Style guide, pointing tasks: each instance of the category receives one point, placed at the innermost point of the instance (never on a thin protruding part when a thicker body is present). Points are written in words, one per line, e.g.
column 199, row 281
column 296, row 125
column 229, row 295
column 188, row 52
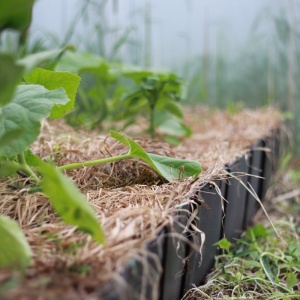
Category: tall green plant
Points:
column 160, row 93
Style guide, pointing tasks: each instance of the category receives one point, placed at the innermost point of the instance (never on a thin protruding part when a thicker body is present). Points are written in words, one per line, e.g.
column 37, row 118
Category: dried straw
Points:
column 131, row 201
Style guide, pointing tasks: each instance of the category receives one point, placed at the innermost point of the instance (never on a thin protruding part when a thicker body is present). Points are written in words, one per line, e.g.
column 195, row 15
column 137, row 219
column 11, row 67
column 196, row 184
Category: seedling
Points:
column 162, row 92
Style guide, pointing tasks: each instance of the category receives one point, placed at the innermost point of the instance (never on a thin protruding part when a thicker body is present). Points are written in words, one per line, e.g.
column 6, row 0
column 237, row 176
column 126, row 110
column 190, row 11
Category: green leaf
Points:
column 174, row 108
column 172, row 140
column 252, row 264
column 257, row 231
column 10, row 76
column 270, row 267
column 14, row 249
column 291, row 280
column 69, row 203
column 32, row 159
column 31, row 104
column 136, row 74
column 134, row 93
column 175, row 168
column 223, row 244
column 294, row 249
column 167, row 167
column 37, row 59
column 9, row 137
column 15, row 14
column 174, row 127
column 53, row 80
column 8, row 168
column 75, row 62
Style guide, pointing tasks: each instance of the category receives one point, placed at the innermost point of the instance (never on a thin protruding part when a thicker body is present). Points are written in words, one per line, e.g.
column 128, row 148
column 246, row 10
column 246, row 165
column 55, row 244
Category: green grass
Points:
column 260, row 265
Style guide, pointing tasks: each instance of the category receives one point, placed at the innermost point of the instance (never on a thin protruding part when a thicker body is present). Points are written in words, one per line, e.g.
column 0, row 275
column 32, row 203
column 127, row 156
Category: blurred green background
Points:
column 230, row 54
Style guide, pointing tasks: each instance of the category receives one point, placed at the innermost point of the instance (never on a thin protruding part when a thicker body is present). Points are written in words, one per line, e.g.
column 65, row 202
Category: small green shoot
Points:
column 168, row 167
column 224, row 244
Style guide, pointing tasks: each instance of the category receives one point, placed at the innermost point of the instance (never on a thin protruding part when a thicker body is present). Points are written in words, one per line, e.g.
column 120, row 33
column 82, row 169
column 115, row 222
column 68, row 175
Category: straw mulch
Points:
column 131, row 201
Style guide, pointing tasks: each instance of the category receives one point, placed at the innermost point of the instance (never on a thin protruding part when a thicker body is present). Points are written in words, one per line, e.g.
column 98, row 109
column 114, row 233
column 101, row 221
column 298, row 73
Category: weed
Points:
column 259, row 265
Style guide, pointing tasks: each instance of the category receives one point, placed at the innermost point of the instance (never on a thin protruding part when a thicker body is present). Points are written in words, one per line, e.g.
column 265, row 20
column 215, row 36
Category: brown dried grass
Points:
column 131, row 201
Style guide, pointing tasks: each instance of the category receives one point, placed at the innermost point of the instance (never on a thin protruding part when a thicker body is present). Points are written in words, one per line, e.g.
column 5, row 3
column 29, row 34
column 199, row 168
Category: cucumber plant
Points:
column 28, row 95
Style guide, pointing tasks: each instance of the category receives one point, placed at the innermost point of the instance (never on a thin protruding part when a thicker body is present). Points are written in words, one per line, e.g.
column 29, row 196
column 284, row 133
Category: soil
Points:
column 131, row 201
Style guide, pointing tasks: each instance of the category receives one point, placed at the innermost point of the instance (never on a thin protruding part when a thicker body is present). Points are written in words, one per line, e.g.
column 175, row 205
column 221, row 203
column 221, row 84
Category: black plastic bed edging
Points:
column 255, row 172
column 175, row 252
column 174, row 263
column 235, row 205
column 209, row 221
column 141, row 278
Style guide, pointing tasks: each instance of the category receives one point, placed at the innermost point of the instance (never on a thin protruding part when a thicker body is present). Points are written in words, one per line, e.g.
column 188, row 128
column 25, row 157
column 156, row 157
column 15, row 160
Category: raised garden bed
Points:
column 159, row 237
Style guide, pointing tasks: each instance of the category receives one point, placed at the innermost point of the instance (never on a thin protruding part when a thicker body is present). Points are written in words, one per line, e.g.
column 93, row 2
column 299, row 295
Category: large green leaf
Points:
column 69, row 203
column 75, row 62
column 53, row 80
column 15, row 14
column 37, row 59
column 14, row 249
column 31, row 104
column 10, row 76
column 175, row 168
column 168, row 167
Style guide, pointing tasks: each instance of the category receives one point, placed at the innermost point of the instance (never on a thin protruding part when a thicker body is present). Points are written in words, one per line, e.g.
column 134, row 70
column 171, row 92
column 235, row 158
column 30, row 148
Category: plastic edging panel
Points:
column 255, row 181
column 276, row 149
column 236, row 199
column 174, row 255
column 209, row 221
column 267, row 166
column 141, row 278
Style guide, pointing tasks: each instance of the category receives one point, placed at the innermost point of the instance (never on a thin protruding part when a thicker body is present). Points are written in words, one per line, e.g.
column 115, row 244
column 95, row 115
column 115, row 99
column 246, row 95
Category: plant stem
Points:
column 25, row 168
column 152, row 127
column 94, row 162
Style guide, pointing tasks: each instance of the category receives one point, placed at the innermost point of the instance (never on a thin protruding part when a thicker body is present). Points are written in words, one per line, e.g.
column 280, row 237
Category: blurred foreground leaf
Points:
column 10, row 76
column 75, row 62
column 31, row 104
column 34, row 60
column 69, row 203
column 15, row 14
column 14, row 249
